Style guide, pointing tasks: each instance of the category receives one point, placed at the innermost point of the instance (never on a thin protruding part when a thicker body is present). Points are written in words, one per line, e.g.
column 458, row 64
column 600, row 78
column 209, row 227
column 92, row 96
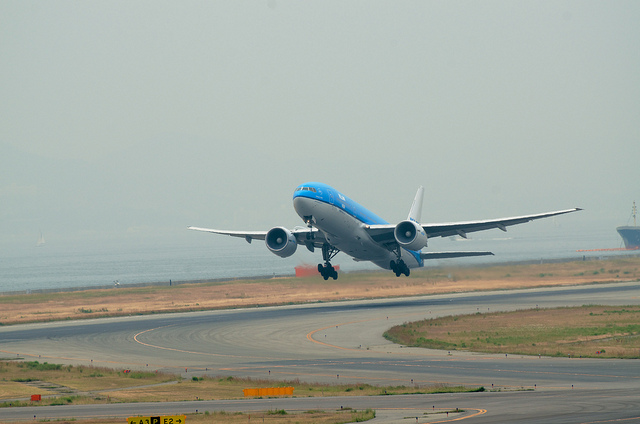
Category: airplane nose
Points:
column 302, row 206
column 305, row 208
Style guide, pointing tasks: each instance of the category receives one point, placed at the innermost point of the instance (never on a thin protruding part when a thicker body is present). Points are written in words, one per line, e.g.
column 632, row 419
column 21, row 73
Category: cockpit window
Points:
column 311, row 189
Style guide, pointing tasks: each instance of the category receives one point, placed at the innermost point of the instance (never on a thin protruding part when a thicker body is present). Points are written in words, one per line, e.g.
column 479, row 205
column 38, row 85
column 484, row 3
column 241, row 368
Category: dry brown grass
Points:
column 270, row 417
column 278, row 291
column 81, row 385
column 17, row 377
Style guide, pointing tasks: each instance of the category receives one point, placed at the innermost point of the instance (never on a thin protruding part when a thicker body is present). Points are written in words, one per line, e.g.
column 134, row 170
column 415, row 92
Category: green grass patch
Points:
column 35, row 365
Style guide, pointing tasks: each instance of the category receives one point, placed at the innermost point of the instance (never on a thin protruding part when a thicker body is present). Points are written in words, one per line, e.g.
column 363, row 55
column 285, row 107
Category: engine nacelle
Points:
column 410, row 235
column 281, row 241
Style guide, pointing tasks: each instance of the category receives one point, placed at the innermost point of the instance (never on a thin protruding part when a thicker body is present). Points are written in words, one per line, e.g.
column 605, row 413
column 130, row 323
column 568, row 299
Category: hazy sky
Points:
column 129, row 121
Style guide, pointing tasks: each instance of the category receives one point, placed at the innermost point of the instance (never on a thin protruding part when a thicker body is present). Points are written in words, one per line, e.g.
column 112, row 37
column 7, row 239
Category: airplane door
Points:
column 331, row 200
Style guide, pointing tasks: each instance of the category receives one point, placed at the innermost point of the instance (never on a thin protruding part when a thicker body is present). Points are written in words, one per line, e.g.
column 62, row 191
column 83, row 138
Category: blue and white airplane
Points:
column 336, row 224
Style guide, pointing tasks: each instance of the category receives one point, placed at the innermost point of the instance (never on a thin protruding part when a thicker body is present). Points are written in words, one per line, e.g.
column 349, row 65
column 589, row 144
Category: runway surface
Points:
column 342, row 342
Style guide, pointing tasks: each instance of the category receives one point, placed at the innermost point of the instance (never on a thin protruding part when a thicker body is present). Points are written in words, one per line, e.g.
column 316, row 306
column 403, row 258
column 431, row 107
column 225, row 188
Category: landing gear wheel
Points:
column 327, row 271
column 399, row 268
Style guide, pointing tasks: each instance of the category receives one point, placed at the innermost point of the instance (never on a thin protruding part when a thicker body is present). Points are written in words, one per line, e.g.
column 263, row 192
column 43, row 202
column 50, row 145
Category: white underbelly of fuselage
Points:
column 347, row 233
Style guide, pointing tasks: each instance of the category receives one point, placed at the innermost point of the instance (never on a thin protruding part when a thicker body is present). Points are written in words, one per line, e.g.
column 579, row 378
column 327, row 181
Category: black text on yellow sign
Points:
column 168, row 419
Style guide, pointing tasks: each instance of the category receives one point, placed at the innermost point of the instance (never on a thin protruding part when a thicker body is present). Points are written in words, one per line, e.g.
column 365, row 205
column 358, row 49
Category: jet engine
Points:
column 281, row 241
column 410, row 235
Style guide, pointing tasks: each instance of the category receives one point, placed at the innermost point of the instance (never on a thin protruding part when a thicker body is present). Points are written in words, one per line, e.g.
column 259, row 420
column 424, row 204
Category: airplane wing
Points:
column 443, row 255
column 462, row 228
column 248, row 235
column 304, row 235
column 384, row 233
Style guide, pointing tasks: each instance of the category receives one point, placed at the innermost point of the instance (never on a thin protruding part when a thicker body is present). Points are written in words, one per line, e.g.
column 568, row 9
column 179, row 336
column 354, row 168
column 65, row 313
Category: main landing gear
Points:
column 327, row 270
column 399, row 268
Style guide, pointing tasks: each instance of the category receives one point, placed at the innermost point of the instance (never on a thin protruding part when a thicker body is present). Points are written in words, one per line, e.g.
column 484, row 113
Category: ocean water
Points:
column 58, row 267
column 53, row 267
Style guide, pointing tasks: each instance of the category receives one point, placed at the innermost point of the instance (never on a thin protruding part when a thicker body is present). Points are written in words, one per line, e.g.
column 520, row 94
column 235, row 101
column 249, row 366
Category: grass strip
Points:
column 589, row 331
column 90, row 385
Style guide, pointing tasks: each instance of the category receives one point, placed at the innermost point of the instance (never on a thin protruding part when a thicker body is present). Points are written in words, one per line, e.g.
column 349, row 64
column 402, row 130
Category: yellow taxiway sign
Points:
column 167, row 419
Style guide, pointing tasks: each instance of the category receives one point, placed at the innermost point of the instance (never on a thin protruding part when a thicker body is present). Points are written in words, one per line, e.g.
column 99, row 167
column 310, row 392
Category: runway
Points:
column 342, row 342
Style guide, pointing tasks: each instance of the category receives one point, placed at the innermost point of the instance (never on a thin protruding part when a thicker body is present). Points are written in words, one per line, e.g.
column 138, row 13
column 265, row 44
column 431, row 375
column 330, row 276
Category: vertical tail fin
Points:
column 416, row 208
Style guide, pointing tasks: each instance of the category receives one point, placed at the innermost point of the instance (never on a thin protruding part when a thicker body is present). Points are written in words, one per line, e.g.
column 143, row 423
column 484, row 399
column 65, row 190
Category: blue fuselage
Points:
column 343, row 222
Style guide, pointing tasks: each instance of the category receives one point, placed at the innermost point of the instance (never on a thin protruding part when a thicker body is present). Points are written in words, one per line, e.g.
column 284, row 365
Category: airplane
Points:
column 335, row 223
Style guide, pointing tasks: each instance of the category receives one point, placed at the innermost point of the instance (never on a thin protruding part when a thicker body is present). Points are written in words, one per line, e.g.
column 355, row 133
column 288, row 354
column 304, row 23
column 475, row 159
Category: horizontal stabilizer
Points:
column 443, row 255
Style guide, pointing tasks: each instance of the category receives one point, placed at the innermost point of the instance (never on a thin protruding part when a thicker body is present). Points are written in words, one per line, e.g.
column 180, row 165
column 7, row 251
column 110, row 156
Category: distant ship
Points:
column 631, row 235
column 40, row 241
